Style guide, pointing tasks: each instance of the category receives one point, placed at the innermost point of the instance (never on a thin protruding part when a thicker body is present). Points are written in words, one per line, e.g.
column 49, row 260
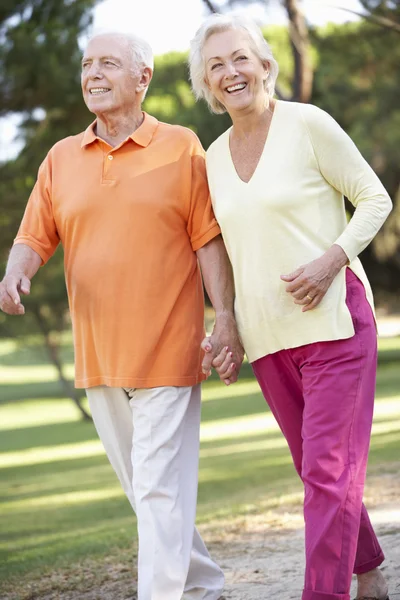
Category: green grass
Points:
column 60, row 501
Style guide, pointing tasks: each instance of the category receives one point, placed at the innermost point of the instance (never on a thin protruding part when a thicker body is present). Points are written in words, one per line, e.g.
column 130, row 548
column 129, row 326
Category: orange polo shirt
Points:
column 130, row 219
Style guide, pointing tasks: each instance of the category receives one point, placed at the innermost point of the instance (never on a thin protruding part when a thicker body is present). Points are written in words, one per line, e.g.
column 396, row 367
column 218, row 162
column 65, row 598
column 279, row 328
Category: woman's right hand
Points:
column 224, row 365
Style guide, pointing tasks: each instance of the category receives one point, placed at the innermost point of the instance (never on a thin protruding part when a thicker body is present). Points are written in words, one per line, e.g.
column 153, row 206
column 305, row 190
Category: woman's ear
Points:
column 266, row 66
column 206, row 82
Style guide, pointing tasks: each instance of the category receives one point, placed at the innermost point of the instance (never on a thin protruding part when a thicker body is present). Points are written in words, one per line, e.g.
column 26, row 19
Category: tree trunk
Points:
column 210, row 6
column 52, row 350
column 303, row 72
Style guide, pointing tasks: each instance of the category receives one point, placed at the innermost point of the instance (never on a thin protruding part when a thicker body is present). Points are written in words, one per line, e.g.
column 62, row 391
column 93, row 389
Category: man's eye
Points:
column 109, row 62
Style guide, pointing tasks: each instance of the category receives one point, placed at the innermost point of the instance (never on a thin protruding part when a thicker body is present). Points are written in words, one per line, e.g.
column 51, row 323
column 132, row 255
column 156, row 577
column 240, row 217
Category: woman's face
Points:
column 234, row 73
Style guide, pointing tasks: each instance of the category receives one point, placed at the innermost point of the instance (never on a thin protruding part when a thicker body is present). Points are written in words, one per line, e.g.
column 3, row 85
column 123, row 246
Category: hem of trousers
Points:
column 207, row 596
column 314, row 595
column 371, row 564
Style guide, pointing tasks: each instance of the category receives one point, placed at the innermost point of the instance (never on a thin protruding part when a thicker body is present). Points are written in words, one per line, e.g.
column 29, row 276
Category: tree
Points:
column 39, row 69
column 355, row 82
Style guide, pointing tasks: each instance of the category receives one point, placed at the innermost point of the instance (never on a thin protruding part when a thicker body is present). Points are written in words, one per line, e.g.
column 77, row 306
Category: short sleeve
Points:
column 343, row 167
column 202, row 225
column 38, row 229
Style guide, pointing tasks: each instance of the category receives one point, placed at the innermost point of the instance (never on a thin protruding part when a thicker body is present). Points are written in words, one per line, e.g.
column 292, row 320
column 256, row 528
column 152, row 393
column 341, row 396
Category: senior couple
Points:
column 129, row 201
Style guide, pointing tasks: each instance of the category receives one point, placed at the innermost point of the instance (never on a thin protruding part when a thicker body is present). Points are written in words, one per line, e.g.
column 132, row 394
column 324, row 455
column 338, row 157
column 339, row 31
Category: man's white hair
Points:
column 218, row 23
column 140, row 51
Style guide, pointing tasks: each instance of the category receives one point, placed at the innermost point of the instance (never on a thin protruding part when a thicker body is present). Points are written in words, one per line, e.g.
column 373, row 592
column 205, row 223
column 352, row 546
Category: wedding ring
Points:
column 309, row 297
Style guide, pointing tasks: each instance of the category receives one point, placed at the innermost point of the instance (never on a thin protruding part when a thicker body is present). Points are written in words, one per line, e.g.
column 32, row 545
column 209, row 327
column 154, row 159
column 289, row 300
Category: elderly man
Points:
column 128, row 200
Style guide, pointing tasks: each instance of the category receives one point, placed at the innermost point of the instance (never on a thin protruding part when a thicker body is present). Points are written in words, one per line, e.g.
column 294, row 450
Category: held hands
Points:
column 10, row 289
column 309, row 283
column 223, row 350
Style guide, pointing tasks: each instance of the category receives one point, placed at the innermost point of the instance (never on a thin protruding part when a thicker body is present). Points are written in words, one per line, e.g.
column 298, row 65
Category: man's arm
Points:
column 22, row 265
column 218, row 280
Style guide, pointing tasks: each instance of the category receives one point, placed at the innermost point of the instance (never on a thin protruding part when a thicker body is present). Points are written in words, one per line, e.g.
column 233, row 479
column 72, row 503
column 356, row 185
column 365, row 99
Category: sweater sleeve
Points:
column 345, row 169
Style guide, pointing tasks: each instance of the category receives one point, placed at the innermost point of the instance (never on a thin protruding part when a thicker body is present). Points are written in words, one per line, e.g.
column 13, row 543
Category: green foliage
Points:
column 170, row 99
column 39, row 69
column 356, row 82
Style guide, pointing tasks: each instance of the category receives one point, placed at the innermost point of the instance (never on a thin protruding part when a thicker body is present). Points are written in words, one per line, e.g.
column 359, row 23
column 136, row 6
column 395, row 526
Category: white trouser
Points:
column 152, row 441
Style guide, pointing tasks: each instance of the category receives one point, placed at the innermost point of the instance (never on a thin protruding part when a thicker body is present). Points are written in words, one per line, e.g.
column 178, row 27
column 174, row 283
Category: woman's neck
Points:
column 245, row 123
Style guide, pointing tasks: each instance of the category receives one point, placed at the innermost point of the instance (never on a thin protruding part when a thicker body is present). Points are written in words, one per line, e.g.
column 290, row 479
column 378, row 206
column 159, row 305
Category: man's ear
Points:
column 145, row 79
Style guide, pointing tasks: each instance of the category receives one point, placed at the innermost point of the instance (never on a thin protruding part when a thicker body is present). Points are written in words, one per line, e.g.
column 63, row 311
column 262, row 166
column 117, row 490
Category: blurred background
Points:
column 59, row 500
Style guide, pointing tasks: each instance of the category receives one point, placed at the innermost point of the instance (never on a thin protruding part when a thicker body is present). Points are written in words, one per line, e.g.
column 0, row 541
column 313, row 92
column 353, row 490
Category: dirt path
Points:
column 261, row 555
column 260, row 564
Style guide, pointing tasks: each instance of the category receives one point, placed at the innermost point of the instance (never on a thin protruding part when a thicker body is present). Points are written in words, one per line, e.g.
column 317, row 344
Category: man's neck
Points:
column 115, row 129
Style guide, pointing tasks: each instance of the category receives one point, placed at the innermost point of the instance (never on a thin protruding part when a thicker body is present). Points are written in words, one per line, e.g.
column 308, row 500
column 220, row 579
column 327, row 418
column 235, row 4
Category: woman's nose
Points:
column 231, row 70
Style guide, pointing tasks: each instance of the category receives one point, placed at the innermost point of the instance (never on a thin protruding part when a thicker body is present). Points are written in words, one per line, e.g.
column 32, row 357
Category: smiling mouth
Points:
column 99, row 91
column 236, row 88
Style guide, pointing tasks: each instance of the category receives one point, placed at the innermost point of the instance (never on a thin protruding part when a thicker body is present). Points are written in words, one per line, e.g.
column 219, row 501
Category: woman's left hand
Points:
column 309, row 283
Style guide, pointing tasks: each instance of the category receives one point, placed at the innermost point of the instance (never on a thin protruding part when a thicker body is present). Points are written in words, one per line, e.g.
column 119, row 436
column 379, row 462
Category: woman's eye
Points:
column 215, row 65
column 241, row 57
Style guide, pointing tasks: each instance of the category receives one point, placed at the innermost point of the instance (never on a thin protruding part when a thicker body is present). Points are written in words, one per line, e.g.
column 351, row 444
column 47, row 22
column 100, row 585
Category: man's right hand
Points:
column 10, row 289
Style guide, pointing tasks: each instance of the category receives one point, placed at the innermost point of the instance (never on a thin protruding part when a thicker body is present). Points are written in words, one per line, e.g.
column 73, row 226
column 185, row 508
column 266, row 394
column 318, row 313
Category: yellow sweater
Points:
column 288, row 214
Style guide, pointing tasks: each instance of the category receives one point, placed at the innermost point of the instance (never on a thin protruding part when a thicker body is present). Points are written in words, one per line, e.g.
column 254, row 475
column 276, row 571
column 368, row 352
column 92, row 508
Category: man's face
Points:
column 110, row 81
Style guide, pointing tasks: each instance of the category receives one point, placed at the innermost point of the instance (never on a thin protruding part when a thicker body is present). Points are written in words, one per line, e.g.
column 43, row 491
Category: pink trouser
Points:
column 322, row 396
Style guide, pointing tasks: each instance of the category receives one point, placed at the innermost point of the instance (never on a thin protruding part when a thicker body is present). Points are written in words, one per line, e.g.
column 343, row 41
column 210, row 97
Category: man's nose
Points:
column 95, row 72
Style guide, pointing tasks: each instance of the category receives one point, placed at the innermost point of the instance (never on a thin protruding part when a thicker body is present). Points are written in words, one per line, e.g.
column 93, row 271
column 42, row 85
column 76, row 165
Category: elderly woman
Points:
column 304, row 306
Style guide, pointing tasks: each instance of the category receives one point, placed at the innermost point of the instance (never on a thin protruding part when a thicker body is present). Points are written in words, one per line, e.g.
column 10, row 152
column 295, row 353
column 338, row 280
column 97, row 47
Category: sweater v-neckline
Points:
column 266, row 143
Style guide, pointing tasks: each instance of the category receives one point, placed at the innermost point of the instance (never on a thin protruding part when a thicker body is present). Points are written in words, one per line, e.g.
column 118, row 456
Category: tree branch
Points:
column 210, row 6
column 381, row 21
column 52, row 350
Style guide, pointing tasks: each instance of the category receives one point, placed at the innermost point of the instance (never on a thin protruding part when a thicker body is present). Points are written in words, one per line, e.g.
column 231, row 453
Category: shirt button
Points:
column 110, row 157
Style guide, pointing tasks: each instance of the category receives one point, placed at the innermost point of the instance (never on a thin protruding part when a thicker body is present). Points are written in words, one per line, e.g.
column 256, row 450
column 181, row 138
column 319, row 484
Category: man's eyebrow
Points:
column 107, row 57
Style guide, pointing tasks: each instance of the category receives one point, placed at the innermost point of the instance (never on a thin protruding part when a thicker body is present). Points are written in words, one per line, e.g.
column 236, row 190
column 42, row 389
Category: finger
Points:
column 226, row 368
column 304, row 301
column 25, row 285
column 300, row 293
column 12, row 291
column 232, row 379
column 228, row 377
column 10, row 308
column 293, row 275
column 314, row 303
column 221, row 358
column 206, row 364
column 8, row 304
column 206, row 344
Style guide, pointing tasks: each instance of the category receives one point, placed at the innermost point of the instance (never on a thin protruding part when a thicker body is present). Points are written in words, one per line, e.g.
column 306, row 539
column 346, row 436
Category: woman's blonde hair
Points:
column 217, row 23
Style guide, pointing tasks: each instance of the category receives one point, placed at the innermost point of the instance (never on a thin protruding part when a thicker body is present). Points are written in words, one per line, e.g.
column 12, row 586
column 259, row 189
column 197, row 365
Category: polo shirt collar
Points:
column 141, row 136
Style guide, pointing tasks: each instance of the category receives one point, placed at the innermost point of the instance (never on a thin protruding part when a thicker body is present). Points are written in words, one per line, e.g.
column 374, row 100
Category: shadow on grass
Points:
column 31, row 355
column 52, row 434
column 43, row 390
